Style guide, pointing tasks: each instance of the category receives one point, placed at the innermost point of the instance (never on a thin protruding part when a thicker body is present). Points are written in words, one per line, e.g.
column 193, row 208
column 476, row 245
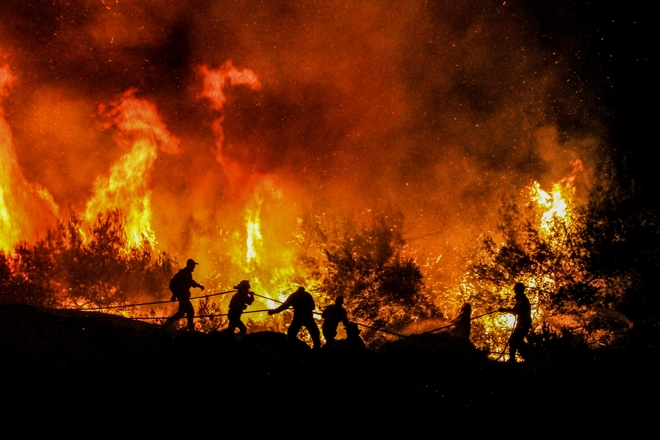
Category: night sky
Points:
column 613, row 51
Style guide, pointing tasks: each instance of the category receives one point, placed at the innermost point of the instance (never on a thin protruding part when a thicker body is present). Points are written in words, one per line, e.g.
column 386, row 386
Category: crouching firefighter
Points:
column 332, row 316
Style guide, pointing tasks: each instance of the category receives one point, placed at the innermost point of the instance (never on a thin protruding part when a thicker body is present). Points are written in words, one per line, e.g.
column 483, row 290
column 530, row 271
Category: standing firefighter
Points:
column 180, row 285
column 523, row 311
column 332, row 316
column 303, row 315
column 239, row 302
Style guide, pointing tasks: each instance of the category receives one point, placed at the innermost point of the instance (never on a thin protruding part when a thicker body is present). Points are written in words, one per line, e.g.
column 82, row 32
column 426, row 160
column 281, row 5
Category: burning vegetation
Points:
column 381, row 164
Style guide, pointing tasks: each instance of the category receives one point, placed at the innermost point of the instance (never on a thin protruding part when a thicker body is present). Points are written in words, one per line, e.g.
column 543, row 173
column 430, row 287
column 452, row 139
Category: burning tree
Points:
column 84, row 265
column 547, row 244
column 371, row 267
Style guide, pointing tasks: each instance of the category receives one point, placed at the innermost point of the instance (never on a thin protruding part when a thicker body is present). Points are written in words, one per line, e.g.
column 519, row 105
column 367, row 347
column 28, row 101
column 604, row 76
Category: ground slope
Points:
column 75, row 371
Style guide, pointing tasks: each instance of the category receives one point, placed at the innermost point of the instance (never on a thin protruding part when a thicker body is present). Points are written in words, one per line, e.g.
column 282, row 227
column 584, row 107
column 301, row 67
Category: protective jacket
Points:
column 302, row 302
column 239, row 302
column 181, row 283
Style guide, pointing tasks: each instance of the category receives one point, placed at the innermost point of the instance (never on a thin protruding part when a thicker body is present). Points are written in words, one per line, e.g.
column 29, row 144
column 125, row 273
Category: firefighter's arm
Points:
column 285, row 305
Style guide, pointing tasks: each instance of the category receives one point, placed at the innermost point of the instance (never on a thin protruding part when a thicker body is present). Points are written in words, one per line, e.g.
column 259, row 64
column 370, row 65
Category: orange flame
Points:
column 24, row 206
column 126, row 188
column 553, row 204
column 254, row 236
column 556, row 205
column 550, row 209
column 215, row 83
column 268, row 253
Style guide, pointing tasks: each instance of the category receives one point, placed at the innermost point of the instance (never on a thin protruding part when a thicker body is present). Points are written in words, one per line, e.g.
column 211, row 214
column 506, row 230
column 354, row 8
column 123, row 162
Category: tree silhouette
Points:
column 369, row 267
column 574, row 282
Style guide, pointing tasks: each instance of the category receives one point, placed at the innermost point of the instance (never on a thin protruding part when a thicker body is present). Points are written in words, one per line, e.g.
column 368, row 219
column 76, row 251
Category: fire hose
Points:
column 251, row 311
column 153, row 302
column 508, row 341
column 214, row 315
column 196, row 316
column 316, row 313
column 477, row 317
column 358, row 323
column 454, row 323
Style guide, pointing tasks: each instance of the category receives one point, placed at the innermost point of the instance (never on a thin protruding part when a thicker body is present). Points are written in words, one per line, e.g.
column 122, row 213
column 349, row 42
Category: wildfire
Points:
column 538, row 260
column 557, row 204
column 254, row 237
column 25, row 207
column 554, row 205
column 269, row 261
column 267, row 251
column 126, row 187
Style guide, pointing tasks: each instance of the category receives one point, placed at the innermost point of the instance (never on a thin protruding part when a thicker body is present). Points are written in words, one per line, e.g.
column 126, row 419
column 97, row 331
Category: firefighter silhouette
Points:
column 332, row 316
column 462, row 323
column 523, row 311
column 239, row 302
column 303, row 315
column 180, row 285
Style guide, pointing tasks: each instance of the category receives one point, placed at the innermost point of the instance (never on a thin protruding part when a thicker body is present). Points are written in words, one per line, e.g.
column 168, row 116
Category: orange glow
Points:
column 216, row 81
column 6, row 79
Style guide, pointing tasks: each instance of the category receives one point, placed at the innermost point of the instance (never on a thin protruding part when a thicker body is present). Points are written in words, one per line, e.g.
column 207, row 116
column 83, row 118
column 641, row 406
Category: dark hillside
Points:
column 77, row 371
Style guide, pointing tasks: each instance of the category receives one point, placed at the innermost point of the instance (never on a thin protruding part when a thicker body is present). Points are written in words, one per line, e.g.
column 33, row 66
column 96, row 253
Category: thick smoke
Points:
column 435, row 107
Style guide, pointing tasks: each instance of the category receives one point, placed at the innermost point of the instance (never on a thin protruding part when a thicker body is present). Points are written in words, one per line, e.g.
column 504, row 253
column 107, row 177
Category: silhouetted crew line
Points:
column 303, row 315
column 180, row 285
column 523, row 311
column 332, row 316
column 462, row 323
column 239, row 302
